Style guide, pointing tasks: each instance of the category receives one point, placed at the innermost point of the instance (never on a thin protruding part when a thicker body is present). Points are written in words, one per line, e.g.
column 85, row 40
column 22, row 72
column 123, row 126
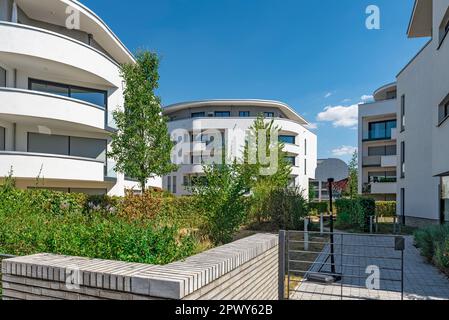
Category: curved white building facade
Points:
column 233, row 118
column 59, row 83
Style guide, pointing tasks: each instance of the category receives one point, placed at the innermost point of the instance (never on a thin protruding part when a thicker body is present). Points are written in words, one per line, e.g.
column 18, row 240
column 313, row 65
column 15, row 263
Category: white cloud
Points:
column 328, row 95
column 366, row 98
column 344, row 151
column 340, row 116
column 312, row 126
column 346, row 100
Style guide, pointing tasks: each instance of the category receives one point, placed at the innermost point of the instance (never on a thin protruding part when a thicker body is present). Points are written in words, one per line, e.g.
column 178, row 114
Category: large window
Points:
column 2, row 77
column 222, row 114
column 68, row 146
column 445, row 199
column 2, row 139
column 287, row 139
column 268, row 114
column 382, row 177
column 94, row 96
column 244, row 114
column 382, row 151
column 381, row 130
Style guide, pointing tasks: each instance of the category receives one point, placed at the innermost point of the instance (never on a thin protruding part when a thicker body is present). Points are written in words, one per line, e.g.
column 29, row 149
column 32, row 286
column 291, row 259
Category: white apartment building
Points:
column 421, row 110
column 233, row 118
column 423, row 113
column 59, row 83
column 377, row 145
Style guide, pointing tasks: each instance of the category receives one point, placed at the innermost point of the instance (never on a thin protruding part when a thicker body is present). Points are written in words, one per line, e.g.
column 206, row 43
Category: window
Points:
column 268, row 114
column 444, row 28
column 2, row 139
column 403, row 159
column 305, row 166
column 443, row 111
column 402, row 113
column 381, row 130
column 287, row 139
column 291, row 160
column 222, row 114
column 445, row 199
column 2, row 77
column 403, row 205
column 382, row 177
column 382, row 151
column 68, row 146
column 169, row 183
column 244, row 114
column 198, row 114
column 305, row 146
column 175, row 184
column 391, row 95
column 94, row 96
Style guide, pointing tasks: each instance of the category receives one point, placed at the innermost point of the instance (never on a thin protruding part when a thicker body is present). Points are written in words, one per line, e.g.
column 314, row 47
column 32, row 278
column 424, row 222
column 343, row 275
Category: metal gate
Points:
column 340, row 266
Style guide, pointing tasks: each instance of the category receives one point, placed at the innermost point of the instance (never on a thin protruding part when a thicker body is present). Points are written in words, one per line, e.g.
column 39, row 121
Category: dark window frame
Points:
column 198, row 115
column 3, row 143
column 402, row 159
column 403, row 113
column 222, row 114
column 5, row 77
column 269, row 114
column 282, row 136
column 70, row 87
column 387, row 135
column 291, row 160
column 244, row 114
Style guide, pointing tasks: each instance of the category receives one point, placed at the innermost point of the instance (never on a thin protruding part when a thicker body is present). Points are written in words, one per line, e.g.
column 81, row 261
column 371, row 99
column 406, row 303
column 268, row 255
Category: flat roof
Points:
column 288, row 111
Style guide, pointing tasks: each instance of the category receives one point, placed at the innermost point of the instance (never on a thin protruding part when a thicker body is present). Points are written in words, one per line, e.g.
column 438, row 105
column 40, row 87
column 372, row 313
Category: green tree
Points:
column 141, row 146
column 353, row 176
column 260, row 183
column 221, row 195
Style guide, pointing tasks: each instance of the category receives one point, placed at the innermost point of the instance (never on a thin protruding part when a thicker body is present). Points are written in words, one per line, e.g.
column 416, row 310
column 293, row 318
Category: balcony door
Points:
column 444, row 199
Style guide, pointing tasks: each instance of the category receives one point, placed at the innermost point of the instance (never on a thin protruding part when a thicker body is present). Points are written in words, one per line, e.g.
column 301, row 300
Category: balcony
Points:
column 18, row 103
column 32, row 165
column 47, row 49
column 389, row 161
column 372, row 161
column 383, row 187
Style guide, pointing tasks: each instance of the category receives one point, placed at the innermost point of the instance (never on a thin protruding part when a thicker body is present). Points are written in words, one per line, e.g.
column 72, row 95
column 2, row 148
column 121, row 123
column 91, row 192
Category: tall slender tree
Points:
column 353, row 176
column 141, row 146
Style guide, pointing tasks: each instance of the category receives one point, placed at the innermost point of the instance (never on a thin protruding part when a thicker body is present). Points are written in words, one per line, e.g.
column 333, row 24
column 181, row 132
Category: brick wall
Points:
column 244, row 270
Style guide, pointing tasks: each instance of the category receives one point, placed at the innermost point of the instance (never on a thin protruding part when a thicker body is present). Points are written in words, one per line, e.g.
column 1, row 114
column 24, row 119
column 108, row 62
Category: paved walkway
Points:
column 422, row 281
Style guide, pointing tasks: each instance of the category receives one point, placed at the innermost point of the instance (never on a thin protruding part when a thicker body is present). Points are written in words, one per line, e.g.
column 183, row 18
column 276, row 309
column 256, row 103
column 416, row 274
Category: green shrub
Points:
column 432, row 239
column 316, row 208
column 355, row 213
column 72, row 224
column 287, row 207
column 386, row 209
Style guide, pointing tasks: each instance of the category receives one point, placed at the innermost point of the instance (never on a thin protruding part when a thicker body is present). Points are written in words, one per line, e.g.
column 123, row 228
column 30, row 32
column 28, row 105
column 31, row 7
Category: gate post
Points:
column 281, row 264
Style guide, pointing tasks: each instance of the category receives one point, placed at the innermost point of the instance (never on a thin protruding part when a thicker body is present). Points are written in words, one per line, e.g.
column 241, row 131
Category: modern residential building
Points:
column 233, row 118
column 329, row 168
column 423, row 113
column 412, row 116
column 59, row 83
column 377, row 145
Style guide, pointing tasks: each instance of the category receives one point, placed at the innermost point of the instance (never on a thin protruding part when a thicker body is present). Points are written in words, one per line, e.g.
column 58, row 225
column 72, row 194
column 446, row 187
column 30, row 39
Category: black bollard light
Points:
column 331, row 211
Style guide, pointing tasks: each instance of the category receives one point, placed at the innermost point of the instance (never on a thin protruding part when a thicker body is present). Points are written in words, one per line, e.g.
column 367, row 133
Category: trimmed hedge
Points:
column 355, row 213
column 386, row 209
column 433, row 243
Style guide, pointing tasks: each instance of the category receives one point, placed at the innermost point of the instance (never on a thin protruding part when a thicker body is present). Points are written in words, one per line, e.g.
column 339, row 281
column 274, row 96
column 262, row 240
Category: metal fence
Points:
column 340, row 266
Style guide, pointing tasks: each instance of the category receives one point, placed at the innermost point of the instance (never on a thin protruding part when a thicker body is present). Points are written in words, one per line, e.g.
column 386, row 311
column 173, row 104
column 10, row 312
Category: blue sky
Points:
column 313, row 54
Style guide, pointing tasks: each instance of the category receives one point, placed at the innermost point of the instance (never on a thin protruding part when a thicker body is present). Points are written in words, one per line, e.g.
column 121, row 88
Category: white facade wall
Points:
column 425, row 84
